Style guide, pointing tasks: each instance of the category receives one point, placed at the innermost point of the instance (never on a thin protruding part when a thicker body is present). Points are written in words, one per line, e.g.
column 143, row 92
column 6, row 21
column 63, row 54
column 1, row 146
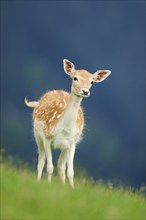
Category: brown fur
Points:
column 51, row 108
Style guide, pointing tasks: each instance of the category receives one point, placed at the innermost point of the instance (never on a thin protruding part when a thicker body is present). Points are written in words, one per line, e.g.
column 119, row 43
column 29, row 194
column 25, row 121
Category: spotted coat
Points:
column 51, row 108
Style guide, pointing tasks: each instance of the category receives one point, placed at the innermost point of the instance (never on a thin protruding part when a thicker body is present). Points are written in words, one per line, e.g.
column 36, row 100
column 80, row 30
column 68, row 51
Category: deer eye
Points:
column 92, row 83
column 75, row 79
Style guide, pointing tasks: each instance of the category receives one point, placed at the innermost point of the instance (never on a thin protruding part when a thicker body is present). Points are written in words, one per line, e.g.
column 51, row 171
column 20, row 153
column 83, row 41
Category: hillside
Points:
column 22, row 197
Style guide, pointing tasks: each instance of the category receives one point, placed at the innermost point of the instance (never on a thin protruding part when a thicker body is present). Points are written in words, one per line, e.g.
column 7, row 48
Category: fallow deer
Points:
column 59, row 120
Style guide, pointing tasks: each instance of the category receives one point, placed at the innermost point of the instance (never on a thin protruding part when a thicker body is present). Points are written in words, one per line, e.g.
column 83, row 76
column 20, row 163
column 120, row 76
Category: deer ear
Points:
column 101, row 75
column 69, row 67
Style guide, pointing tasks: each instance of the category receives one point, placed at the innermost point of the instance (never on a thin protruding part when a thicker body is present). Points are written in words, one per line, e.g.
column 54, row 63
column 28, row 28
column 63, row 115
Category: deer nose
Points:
column 85, row 92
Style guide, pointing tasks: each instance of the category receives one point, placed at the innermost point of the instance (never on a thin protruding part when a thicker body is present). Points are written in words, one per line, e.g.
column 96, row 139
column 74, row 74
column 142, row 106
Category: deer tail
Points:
column 31, row 104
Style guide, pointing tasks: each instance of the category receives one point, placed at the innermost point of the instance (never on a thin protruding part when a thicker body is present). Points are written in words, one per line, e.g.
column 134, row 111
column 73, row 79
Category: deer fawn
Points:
column 59, row 120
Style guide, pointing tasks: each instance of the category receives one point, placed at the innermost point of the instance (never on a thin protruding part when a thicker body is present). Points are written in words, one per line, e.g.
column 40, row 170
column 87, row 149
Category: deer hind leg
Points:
column 50, row 167
column 62, row 165
column 70, row 168
column 41, row 157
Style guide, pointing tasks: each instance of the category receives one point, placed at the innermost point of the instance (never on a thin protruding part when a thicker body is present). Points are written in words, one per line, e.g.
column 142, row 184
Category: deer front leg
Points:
column 62, row 165
column 70, row 168
column 41, row 157
column 41, row 163
column 50, row 166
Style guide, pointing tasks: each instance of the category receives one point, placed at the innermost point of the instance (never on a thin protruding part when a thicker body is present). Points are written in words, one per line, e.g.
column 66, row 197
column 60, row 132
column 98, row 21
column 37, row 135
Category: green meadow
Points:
column 22, row 197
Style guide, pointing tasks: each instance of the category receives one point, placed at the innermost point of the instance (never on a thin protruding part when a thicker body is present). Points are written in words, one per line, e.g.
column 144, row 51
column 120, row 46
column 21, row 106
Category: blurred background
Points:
column 35, row 37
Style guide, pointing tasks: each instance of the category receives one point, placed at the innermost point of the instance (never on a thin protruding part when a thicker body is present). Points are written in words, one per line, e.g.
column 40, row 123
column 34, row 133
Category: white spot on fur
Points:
column 61, row 104
column 58, row 116
column 64, row 103
column 54, row 115
column 50, row 120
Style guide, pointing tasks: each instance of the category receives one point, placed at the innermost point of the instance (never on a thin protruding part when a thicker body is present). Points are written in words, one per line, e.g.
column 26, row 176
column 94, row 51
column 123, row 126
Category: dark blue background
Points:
column 36, row 36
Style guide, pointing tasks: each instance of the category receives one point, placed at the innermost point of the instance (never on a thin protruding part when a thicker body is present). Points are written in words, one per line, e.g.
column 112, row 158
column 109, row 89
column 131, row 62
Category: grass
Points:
column 22, row 197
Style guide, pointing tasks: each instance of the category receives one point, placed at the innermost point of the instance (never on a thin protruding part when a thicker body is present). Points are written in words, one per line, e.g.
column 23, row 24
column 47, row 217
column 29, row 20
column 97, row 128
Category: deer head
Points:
column 82, row 80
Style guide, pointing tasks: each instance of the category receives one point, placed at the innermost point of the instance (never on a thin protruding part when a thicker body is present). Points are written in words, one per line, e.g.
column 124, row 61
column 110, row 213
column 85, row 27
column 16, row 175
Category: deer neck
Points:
column 75, row 100
column 70, row 116
column 74, row 105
